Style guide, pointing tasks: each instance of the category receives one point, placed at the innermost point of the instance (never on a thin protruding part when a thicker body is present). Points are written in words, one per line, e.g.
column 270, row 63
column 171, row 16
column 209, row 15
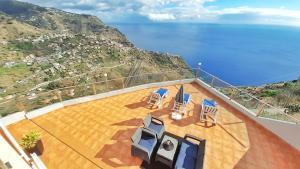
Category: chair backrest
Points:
column 137, row 135
column 156, row 95
column 147, row 120
column 210, row 110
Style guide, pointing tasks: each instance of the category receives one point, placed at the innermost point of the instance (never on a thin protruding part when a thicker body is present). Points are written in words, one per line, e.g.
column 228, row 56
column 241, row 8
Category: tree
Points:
column 53, row 85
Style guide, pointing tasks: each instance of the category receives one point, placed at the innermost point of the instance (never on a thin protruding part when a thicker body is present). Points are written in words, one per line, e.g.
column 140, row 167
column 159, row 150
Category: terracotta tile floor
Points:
column 97, row 134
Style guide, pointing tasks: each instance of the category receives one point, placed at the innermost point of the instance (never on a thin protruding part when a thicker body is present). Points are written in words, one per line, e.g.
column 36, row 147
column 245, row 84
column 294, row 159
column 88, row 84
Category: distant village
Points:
column 64, row 45
column 61, row 48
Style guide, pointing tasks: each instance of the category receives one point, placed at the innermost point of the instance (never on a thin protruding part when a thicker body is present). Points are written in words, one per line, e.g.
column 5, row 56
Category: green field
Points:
column 8, row 76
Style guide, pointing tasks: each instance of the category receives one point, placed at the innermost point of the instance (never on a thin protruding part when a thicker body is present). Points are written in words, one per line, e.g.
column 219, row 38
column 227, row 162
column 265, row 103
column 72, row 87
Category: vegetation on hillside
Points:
column 283, row 94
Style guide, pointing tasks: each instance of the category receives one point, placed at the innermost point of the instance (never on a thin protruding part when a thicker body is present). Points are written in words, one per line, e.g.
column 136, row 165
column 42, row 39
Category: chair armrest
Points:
column 200, row 162
column 178, row 167
column 137, row 146
column 137, row 135
column 158, row 119
column 147, row 120
column 193, row 137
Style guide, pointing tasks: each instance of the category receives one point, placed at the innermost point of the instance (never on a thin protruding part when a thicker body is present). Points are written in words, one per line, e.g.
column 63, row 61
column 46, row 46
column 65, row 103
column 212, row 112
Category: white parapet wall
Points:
column 14, row 142
column 8, row 154
column 285, row 130
column 123, row 91
column 13, row 153
column 44, row 110
column 13, row 118
column 37, row 161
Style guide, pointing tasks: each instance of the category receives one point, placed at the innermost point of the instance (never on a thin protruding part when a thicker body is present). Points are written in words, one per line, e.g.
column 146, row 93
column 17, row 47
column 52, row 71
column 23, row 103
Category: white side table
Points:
column 176, row 116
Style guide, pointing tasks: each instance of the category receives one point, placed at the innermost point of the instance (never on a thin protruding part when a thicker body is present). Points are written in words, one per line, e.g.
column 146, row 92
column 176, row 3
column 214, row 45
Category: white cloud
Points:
column 174, row 10
column 161, row 17
column 167, row 10
column 282, row 12
column 103, row 6
column 281, row 16
column 86, row 1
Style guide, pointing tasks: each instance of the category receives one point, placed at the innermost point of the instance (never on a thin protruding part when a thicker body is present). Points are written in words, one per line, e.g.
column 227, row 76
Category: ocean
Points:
column 238, row 54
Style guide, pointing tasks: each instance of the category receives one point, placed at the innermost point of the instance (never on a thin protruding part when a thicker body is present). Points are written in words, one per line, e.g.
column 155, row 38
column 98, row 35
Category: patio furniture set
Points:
column 152, row 144
column 181, row 102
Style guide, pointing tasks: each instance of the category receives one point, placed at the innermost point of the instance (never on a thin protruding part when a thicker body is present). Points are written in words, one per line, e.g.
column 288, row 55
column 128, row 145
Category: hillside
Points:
column 46, row 47
column 282, row 94
column 51, row 19
column 12, row 29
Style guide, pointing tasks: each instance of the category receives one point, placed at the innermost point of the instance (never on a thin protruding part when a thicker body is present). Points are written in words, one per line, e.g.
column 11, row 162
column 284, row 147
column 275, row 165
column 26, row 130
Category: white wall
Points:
column 13, row 118
column 8, row 154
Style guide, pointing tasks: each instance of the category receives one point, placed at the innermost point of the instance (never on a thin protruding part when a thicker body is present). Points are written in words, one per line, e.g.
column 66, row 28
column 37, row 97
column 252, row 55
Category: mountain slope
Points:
column 51, row 19
column 13, row 29
column 45, row 47
column 282, row 94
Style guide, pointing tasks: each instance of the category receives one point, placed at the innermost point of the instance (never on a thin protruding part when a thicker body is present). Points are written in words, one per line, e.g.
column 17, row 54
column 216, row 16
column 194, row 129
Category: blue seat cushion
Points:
column 147, row 141
column 186, row 98
column 155, row 126
column 187, row 156
column 210, row 103
column 161, row 92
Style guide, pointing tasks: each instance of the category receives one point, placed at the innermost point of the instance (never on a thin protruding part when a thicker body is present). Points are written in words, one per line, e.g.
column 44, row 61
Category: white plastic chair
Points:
column 182, row 107
column 209, row 109
column 156, row 98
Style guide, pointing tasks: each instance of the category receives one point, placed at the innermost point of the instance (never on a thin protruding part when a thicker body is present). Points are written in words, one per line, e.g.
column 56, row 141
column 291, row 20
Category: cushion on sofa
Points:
column 187, row 156
column 147, row 142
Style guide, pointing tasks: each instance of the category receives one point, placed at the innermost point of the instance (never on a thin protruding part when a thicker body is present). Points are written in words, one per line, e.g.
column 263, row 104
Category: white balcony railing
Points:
column 23, row 102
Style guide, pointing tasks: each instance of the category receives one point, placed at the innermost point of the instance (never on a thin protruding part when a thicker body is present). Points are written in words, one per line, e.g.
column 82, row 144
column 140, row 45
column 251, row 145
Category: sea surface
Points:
column 238, row 54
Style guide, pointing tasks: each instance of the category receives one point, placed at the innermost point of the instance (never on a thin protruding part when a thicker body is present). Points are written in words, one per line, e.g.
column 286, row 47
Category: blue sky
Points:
column 279, row 12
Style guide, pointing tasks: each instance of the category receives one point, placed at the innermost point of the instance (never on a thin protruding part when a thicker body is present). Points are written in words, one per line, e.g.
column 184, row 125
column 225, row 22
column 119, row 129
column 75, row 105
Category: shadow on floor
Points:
column 142, row 103
column 160, row 112
column 167, row 109
column 137, row 105
column 130, row 122
column 118, row 154
column 230, row 123
column 192, row 116
column 205, row 124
